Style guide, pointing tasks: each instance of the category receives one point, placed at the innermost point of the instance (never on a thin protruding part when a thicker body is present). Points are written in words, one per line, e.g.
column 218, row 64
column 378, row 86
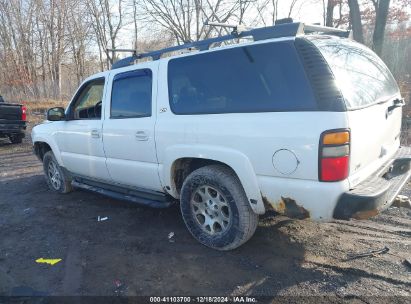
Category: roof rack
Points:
column 238, row 32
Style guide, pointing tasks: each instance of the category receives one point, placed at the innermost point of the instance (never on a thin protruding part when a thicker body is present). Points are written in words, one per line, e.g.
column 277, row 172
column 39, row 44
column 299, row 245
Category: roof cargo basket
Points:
column 284, row 29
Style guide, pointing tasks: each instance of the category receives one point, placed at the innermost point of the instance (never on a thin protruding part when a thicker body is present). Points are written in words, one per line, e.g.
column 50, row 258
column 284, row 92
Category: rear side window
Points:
column 131, row 94
column 360, row 74
column 258, row 78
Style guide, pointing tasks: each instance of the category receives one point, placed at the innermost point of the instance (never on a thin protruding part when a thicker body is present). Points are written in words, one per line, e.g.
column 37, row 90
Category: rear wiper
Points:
column 398, row 102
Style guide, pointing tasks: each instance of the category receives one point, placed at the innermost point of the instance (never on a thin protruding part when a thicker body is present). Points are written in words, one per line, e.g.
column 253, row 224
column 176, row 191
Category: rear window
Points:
column 259, row 78
column 360, row 74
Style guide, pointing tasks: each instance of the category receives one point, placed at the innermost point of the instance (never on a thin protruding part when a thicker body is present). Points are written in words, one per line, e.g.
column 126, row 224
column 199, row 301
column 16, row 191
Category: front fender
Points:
column 48, row 139
column 238, row 161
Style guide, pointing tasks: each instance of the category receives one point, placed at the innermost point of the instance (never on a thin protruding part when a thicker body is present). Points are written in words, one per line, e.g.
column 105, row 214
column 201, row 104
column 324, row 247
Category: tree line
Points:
column 47, row 47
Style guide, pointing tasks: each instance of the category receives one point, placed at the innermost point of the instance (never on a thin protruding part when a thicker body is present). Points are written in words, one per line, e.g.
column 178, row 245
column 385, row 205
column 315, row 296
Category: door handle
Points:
column 141, row 135
column 95, row 133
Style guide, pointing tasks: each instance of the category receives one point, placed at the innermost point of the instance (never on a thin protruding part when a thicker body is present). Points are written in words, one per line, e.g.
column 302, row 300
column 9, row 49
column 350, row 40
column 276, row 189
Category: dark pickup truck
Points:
column 12, row 121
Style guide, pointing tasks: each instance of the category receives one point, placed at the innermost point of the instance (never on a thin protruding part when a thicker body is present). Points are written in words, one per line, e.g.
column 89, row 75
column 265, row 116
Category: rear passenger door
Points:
column 128, row 131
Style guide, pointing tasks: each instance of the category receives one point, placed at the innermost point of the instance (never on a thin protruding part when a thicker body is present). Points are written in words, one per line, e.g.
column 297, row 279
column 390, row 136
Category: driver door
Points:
column 80, row 139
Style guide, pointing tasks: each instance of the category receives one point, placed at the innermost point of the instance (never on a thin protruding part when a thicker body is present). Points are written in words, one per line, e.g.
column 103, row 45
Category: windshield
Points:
column 360, row 74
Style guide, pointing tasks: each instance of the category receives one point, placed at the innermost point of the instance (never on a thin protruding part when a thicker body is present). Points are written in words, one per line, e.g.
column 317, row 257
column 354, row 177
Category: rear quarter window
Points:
column 361, row 75
column 258, row 78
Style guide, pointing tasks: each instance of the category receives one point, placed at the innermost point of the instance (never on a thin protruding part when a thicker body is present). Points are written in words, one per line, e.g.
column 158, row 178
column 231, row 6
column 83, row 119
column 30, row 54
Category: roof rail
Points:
column 327, row 30
column 263, row 33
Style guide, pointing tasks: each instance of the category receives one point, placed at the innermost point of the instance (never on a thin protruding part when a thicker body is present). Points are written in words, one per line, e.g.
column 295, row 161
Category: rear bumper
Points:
column 12, row 127
column 377, row 192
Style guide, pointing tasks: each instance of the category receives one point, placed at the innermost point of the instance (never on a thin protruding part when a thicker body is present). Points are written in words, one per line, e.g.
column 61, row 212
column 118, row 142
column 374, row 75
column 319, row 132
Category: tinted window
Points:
column 131, row 94
column 360, row 74
column 88, row 100
column 258, row 78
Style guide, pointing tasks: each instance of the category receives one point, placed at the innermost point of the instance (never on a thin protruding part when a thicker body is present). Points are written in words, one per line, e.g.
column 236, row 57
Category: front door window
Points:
column 89, row 100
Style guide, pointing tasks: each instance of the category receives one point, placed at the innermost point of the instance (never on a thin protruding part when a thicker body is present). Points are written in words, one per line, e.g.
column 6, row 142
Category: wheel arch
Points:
column 183, row 160
column 182, row 167
column 41, row 146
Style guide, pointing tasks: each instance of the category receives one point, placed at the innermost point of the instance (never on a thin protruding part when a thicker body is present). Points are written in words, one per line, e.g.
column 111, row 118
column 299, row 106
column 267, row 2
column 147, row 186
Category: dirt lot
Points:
column 130, row 254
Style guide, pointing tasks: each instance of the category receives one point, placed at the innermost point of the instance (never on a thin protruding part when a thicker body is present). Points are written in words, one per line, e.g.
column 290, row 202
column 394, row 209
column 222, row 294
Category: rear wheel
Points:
column 56, row 179
column 16, row 139
column 215, row 208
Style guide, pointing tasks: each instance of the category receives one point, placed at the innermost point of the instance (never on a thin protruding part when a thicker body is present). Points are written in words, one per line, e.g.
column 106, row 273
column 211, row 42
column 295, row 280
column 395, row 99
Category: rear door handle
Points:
column 141, row 135
column 95, row 133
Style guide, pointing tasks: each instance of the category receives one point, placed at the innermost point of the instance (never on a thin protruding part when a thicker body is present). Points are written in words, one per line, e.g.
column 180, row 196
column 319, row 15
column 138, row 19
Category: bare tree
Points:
column 17, row 38
column 56, row 28
column 329, row 15
column 106, row 25
column 381, row 9
column 292, row 5
column 185, row 18
column 78, row 37
column 355, row 20
column 134, row 4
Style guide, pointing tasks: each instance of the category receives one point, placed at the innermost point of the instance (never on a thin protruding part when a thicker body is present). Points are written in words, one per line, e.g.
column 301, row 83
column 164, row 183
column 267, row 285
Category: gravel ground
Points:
column 130, row 253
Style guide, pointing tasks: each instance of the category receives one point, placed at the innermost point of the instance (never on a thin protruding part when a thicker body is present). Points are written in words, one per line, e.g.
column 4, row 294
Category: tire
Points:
column 56, row 179
column 16, row 139
column 228, row 220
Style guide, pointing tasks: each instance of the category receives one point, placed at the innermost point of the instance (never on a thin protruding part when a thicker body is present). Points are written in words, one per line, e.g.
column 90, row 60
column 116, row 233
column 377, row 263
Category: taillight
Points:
column 334, row 155
column 23, row 113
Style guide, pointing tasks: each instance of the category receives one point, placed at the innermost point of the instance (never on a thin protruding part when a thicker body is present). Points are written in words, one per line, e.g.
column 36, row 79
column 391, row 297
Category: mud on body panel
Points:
column 286, row 206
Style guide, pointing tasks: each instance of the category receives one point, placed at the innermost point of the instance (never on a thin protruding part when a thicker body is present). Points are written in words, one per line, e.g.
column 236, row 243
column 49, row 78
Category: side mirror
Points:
column 56, row 114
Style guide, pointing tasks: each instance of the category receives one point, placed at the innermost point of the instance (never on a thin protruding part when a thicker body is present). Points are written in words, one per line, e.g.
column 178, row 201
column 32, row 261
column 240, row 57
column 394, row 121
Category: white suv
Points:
column 305, row 124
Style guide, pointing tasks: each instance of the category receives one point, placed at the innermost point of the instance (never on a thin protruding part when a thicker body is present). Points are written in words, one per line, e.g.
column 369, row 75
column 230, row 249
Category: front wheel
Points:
column 56, row 179
column 215, row 208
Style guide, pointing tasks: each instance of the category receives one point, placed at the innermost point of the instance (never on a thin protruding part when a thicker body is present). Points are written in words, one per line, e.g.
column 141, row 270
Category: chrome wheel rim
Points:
column 54, row 175
column 211, row 210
